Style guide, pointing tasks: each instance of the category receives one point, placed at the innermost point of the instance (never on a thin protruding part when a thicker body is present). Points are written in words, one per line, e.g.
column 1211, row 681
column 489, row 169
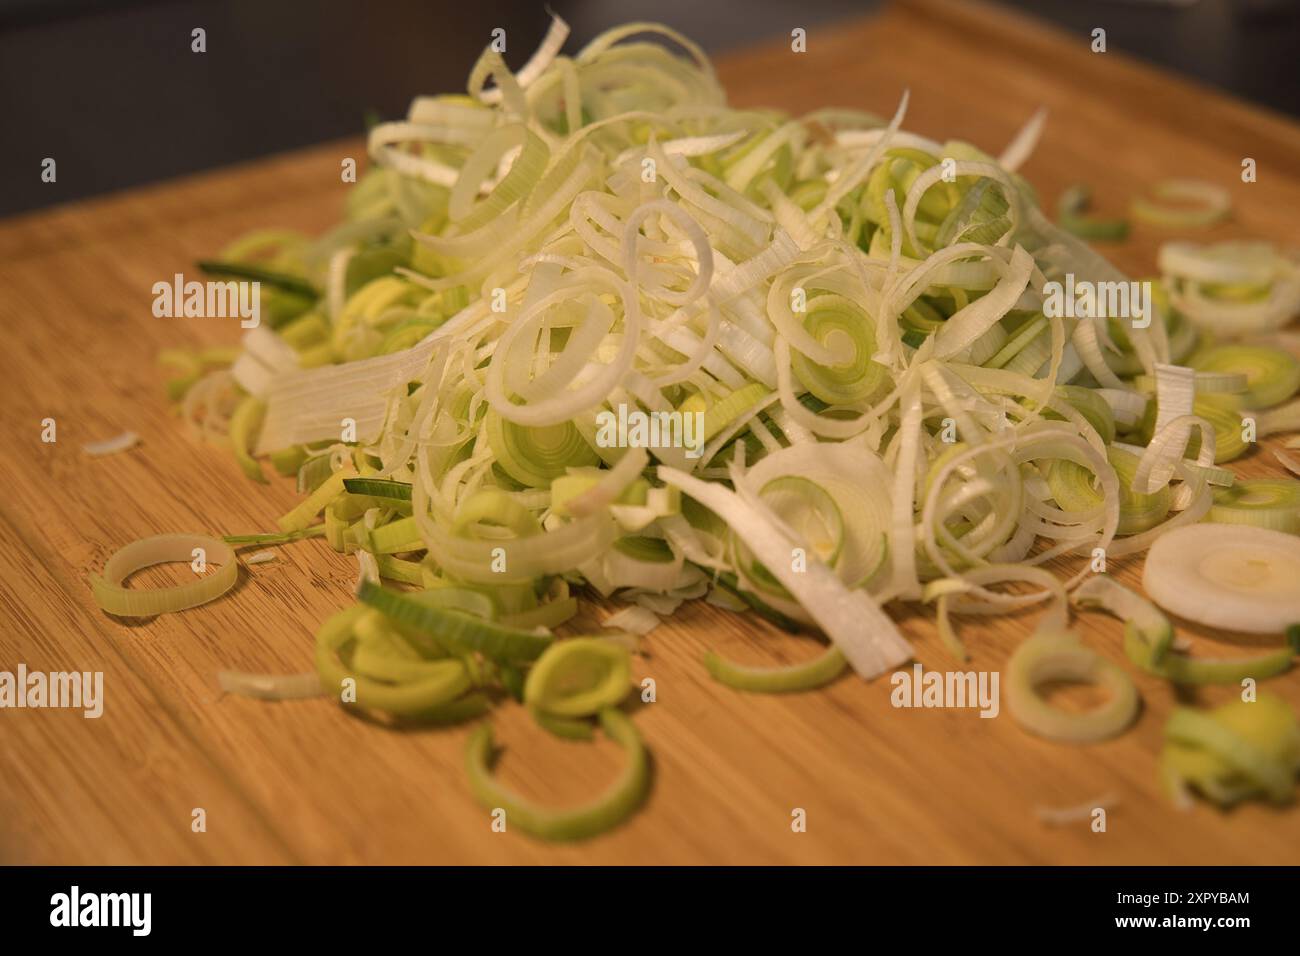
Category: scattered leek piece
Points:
column 1272, row 374
column 1198, row 204
column 817, row 672
column 454, row 628
column 244, row 424
column 274, row 537
column 578, row 677
column 111, row 446
column 604, row 813
column 1070, row 212
column 1244, row 749
column 271, row 686
column 356, row 651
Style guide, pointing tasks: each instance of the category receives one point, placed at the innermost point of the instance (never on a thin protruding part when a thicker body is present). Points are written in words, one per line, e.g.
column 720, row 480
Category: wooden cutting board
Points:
column 304, row 782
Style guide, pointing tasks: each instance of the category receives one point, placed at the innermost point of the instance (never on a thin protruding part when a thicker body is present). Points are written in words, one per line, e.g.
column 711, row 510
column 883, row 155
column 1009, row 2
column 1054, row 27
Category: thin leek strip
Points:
column 549, row 615
column 378, row 488
column 1198, row 670
column 578, row 677
column 567, row 728
column 578, row 823
column 1139, row 614
column 252, row 273
column 287, row 461
column 817, row 672
column 244, row 423
column 112, row 597
column 454, row 628
column 301, row 516
column 111, row 446
column 274, row 537
column 271, row 686
column 869, row 639
column 395, row 569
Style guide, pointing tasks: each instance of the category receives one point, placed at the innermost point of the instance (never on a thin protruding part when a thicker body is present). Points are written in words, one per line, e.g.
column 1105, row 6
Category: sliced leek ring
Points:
column 163, row 549
column 1051, row 657
column 1272, row 503
column 1272, row 374
column 1237, row 577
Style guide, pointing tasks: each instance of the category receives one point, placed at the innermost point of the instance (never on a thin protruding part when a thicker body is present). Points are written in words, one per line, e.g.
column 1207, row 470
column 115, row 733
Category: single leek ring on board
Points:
column 1051, row 657
column 579, row 823
column 1182, row 204
column 161, row 549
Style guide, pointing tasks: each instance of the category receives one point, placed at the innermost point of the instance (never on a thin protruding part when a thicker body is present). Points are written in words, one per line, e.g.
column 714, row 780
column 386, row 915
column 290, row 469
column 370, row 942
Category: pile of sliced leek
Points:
column 889, row 412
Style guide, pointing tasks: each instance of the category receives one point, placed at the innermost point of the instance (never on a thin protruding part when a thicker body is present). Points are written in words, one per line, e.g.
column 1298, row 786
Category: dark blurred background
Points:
column 111, row 89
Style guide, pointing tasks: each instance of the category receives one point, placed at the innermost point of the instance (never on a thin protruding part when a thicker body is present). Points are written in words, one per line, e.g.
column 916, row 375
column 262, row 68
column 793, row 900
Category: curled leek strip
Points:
column 1072, row 487
column 844, row 328
column 1272, row 503
column 813, row 673
column 535, row 456
column 355, row 645
column 244, row 423
column 1060, row 657
column 578, row 677
column 162, row 549
column 454, row 628
column 1148, row 636
column 578, row 823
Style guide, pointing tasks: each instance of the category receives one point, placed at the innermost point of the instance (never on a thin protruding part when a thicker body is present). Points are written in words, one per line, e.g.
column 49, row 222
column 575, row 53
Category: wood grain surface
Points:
column 304, row 782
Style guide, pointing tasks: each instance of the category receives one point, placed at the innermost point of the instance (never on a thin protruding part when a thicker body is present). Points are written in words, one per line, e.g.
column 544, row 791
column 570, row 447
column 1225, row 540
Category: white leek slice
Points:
column 111, row 446
column 1237, row 577
column 868, row 638
column 271, row 686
